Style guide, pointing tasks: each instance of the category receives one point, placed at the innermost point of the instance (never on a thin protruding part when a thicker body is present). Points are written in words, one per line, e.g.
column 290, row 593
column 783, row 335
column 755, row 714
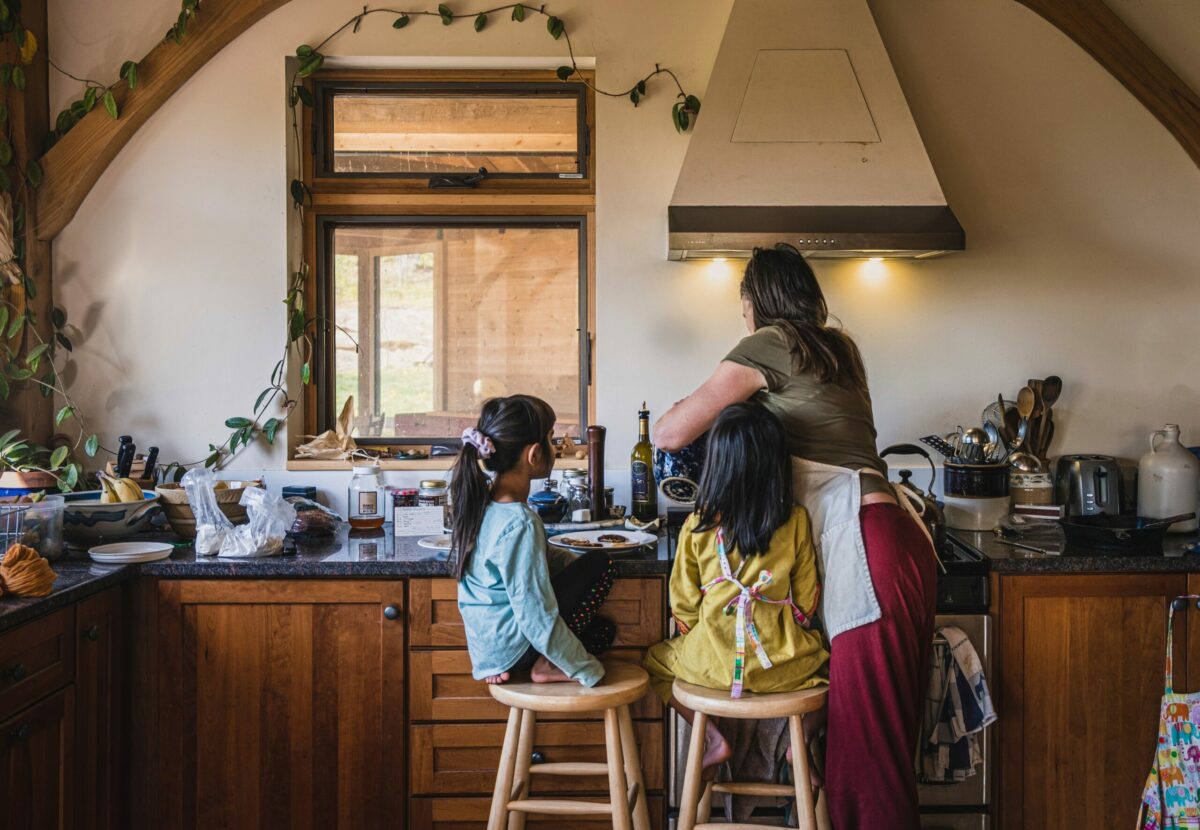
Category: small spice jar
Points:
column 365, row 502
column 432, row 493
column 570, row 478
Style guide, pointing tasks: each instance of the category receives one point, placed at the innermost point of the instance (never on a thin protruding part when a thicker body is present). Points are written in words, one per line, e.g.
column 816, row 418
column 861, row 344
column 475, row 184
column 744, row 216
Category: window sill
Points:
column 441, row 463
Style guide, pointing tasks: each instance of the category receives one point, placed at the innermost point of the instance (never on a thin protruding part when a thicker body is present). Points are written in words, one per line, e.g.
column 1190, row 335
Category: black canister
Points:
column 981, row 481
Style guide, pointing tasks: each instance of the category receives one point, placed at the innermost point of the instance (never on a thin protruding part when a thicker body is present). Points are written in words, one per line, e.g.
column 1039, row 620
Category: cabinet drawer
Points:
column 36, row 659
column 472, row 814
column 635, row 605
column 463, row 757
column 440, row 687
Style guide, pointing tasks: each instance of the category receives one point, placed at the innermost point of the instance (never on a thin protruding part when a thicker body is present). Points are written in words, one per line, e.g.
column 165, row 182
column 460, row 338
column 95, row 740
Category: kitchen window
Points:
column 442, row 287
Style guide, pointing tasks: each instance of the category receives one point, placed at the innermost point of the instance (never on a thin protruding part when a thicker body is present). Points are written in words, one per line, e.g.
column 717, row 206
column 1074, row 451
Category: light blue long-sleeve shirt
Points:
column 507, row 602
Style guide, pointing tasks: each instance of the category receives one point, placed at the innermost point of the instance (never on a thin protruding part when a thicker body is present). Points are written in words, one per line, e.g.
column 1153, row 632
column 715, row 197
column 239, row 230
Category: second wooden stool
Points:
column 717, row 703
column 622, row 685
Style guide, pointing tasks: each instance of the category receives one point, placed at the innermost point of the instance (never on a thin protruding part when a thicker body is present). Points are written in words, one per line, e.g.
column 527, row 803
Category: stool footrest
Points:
column 754, row 788
column 569, row 768
column 561, row 807
column 723, row 826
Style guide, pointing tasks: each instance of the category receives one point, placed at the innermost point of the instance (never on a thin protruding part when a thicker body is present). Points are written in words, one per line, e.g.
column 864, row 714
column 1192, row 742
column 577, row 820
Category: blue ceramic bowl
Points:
column 685, row 463
column 87, row 521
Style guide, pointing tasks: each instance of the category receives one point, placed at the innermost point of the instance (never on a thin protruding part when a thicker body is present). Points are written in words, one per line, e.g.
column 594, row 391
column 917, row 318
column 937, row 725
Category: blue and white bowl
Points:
column 87, row 521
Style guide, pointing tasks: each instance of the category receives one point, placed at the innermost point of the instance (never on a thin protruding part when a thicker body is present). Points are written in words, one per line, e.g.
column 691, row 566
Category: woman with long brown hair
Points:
column 878, row 565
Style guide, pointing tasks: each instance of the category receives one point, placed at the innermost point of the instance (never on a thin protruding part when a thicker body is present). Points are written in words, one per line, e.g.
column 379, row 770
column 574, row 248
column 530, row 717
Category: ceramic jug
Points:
column 1168, row 479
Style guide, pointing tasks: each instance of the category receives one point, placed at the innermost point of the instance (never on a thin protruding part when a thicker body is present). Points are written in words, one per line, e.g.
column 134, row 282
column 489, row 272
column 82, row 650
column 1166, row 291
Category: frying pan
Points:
column 1118, row 533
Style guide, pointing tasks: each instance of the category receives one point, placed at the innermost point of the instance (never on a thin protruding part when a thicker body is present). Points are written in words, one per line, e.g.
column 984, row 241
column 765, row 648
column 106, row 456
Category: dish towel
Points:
column 958, row 707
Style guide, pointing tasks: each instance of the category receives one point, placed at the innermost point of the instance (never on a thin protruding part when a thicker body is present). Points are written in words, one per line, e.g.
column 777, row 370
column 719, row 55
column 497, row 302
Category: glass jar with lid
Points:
column 432, row 493
column 580, row 501
column 570, row 478
column 365, row 505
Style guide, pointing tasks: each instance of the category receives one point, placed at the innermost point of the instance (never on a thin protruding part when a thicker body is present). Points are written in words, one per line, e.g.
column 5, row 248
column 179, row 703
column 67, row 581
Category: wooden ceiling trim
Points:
column 1102, row 34
column 75, row 163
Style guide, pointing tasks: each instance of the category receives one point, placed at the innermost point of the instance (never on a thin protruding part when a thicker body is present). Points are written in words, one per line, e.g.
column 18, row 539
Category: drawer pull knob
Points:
column 21, row 732
column 391, row 612
column 538, row 757
column 15, row 672
column 92, row 633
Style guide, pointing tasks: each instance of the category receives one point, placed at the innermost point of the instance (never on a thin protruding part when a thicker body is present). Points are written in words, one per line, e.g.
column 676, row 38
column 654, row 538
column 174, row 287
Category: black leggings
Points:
column 580, row 589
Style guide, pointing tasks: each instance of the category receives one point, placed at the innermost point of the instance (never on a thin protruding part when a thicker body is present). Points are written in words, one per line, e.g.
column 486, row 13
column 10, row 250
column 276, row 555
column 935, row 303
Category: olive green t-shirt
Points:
column 825, row 422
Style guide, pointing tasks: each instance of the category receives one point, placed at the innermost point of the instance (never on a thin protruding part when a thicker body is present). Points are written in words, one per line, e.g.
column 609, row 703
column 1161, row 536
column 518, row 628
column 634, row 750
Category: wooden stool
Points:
column 717, row 703
column 623, row 684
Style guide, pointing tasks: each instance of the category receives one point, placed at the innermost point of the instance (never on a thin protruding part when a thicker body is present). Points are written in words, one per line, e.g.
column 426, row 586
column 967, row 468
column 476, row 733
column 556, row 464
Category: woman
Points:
column 878, row 563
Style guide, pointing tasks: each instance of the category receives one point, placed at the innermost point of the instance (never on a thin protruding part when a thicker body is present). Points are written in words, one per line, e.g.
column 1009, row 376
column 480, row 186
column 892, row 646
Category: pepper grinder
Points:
column 595, row 436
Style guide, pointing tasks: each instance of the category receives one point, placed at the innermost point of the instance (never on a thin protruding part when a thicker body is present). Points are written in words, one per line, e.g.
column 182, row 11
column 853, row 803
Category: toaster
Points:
column 1088, row 484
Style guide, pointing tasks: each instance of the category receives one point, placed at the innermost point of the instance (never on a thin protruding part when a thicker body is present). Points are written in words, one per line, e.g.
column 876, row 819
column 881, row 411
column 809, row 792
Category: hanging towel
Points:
column 958, row 707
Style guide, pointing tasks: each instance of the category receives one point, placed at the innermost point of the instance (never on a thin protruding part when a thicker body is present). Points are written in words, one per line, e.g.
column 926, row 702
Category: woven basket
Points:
column 174, row 501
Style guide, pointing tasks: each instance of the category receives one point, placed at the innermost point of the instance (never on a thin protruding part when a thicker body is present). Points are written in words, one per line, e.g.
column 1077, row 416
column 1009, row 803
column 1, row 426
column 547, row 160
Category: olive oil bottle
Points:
column 644, row 490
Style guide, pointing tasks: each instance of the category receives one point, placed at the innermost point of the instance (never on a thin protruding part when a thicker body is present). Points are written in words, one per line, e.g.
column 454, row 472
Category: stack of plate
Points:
column 124, row 553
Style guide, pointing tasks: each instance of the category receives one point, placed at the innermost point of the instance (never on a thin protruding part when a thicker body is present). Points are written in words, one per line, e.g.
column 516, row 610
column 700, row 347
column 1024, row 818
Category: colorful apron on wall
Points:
column 1169, row 800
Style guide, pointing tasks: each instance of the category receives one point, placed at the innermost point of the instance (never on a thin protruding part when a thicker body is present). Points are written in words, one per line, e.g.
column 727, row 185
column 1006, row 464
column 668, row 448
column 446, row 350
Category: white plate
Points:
column 436, row 542
column 129, row 552
column 635, row 539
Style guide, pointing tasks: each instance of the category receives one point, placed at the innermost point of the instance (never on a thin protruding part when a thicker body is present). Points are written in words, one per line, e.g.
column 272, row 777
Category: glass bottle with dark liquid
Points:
column 644, row 491
column 365, row 508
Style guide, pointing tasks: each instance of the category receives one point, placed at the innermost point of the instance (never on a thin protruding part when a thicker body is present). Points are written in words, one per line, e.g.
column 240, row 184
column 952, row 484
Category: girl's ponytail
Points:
column 506, row 426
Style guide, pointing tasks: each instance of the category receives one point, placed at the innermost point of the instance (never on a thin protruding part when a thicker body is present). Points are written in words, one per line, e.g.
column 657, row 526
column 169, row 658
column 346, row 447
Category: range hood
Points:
column 805, row 138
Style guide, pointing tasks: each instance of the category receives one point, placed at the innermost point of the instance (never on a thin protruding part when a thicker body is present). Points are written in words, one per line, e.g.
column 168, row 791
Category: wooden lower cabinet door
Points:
column 99, row 725
column 1081, row 663
column 472, row 814
column 37, row 775
column 281, row 704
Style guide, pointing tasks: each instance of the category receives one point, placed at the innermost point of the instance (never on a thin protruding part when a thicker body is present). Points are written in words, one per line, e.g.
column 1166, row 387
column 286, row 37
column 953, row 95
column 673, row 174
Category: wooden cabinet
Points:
column 36, row 773
column 36, row 659
column 281, row 703
column 99, row 723
column 1081, row 666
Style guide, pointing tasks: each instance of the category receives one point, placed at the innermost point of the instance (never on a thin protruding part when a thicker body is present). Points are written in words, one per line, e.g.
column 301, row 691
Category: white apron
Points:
column 833, row 497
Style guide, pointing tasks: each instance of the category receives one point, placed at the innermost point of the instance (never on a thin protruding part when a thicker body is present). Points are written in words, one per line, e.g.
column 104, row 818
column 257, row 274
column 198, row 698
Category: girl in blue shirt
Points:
column 525, row 606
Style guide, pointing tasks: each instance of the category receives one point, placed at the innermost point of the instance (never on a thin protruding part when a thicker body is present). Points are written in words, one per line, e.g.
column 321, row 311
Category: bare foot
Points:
column 496, row 679
column 716, row 749
column 544, row 671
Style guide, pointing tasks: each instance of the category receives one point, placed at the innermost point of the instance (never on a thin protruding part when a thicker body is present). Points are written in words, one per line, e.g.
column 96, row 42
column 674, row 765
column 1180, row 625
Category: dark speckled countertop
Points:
column 1005, row 559
column 343, row 556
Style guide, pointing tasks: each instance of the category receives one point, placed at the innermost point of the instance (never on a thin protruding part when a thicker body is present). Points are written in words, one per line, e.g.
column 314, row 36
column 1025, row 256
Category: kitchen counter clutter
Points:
column 1008, row 559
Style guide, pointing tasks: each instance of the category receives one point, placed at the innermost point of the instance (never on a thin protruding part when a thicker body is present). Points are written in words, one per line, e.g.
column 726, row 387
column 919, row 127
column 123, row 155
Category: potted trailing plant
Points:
column 27, row 467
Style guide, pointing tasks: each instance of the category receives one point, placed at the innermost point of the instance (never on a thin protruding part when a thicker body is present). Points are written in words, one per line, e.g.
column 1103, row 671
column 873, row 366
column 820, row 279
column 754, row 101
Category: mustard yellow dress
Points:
column 704, row 654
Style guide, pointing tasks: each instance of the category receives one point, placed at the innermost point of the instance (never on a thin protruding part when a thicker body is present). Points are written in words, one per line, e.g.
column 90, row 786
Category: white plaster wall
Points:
column 1082, row 216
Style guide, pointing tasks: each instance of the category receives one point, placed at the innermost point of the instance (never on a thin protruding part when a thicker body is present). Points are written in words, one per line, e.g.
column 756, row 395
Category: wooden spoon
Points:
column 1026, row 400
column 1051, row 389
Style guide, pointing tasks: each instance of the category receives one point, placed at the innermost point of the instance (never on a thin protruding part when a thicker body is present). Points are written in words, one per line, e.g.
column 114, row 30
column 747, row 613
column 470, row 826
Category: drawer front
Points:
column 635, row 605
column 472, row 814
column 440, row 688
column 36, row 659
column 463, row 757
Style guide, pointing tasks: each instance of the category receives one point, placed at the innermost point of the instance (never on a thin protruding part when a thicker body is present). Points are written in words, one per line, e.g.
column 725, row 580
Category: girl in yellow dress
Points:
column 744, row 584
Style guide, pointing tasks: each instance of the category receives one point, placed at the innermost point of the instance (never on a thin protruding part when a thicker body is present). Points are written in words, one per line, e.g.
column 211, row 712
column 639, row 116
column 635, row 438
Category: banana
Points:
column 119, row 490
column 108, row 492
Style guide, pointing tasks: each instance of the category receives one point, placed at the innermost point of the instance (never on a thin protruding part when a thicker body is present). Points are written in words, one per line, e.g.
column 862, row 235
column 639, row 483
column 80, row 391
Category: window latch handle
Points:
column 459, row 179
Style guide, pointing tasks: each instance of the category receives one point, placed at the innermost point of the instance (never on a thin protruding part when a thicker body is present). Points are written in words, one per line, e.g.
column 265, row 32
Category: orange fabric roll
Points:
column 24, row 572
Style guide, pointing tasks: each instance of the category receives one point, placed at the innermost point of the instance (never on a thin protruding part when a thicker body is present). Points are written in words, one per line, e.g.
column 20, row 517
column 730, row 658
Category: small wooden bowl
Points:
column 174, row 500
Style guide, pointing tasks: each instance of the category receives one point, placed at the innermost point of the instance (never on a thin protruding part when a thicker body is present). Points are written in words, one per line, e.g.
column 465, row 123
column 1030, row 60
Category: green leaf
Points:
column 6, row 151
column 641, row 87
column 447, row 15
column 237, row 423
column 564, row 72
column 310, row 65
column 58, row 317
column 58, row 457
column 305, row 97
column 306, row 373
column 18, row 78
column 270, row 428
column 63, row 414
column 212, row 459
column 5, row 74
column 110, row 103
column 17, row 324
column 181, row 24
column 555, row 27
column 400, row 22
column 129, row 73
column 693, row 104
column 63, row 341
column 303, row 50
column 262, row 397
column 92, row 445
column 36, row 353
column 89, row 98
column 3, row 323
column 680, row 117
column 19, row 374
column 296, row 325
column 71, row 477
column 8, row 436
column 480, row 21
column 633, row 96
column 518, row 13
column 299, row 192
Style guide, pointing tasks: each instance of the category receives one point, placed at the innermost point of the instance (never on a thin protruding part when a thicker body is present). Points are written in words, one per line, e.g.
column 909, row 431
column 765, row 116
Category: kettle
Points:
column 931, row 514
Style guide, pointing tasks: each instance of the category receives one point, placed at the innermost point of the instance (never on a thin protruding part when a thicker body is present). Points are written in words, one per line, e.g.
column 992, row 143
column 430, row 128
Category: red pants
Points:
column 877, row 679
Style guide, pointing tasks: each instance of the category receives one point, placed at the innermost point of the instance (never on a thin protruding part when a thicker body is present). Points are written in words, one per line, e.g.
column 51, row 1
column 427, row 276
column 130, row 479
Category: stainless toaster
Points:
column 1088, row 484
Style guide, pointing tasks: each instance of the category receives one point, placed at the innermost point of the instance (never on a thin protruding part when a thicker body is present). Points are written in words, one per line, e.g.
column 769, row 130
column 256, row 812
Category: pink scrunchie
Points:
column 479, row 441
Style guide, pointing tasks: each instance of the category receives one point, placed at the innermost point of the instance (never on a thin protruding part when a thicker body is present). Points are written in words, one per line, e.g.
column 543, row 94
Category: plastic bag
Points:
column 270, row 519
column 312, row 519
column 211, row 524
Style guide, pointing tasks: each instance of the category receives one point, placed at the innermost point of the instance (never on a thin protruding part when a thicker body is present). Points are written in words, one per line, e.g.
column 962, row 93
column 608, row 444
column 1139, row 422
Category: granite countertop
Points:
column 378, row 555
column 1006, row 559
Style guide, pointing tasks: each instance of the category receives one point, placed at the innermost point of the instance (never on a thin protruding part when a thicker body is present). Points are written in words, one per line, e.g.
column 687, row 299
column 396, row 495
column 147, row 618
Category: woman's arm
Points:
column 691, row 417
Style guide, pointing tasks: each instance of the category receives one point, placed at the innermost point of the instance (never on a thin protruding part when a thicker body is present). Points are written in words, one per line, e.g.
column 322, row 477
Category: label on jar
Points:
column 640, row 480
column 368, row 503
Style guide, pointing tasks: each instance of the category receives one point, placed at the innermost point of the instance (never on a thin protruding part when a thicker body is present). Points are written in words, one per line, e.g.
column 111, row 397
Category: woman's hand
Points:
column 690, row 418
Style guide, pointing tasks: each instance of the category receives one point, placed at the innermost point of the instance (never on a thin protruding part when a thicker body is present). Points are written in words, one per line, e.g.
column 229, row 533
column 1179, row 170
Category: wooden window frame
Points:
column 383, row 198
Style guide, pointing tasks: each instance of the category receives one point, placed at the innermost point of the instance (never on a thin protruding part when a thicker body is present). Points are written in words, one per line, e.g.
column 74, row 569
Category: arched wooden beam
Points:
column 73, row 165
column 1105, row 36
